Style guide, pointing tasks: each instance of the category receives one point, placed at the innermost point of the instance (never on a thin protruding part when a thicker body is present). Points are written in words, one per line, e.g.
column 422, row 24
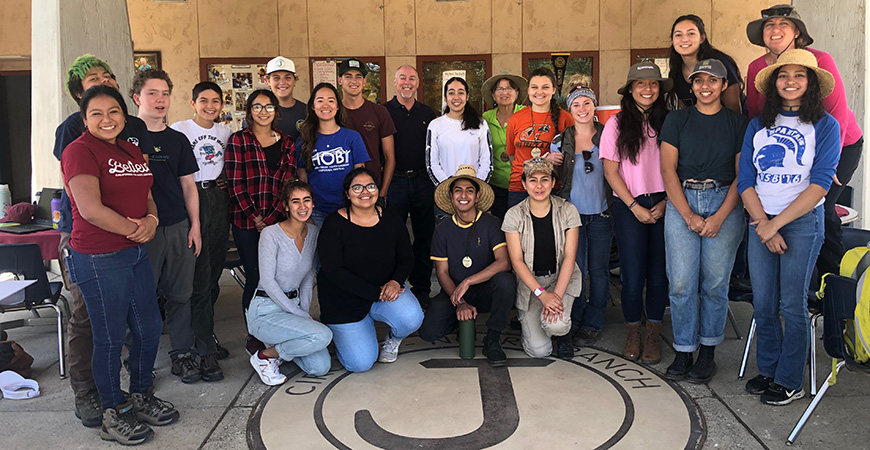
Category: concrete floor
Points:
column 216, row 415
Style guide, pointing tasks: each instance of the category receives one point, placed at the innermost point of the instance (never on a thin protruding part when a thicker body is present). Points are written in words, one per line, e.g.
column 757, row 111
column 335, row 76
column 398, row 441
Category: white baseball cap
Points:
column 280, row 63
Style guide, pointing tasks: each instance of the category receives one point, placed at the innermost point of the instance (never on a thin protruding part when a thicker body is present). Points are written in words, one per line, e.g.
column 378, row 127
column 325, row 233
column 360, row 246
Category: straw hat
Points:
column 755, row 29
column 800, row 58
column 444, row 199
column 489, row 84
column 646, row 70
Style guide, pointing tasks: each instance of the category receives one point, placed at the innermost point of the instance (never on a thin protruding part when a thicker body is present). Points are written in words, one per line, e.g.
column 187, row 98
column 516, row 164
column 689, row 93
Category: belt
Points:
column 207, row 184
column 544, row 273
column 704, row 185
column 410, row 173
column 290, row 294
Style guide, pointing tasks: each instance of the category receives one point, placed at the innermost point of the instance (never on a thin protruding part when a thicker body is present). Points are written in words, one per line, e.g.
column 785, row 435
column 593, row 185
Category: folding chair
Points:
column 234, row 264
column 25, row 261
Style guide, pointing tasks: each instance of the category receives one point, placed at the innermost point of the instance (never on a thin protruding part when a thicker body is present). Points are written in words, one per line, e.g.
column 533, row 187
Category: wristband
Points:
column 155, row 218
column 632, row 205
column 538, row 291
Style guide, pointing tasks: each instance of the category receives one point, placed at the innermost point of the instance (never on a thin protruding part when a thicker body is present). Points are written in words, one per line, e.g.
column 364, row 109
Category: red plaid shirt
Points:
column 254, row 189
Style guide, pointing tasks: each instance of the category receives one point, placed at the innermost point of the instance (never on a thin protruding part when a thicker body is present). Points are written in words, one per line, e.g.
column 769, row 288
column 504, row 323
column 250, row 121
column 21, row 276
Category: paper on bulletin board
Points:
column 446, row 75
column 323, row 72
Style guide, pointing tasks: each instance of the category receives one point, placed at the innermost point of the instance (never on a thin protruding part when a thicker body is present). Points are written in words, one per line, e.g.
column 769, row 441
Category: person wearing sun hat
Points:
column 780, row 28
column 502, row 91
column 472, row 264
column 542, row 237
column 787, row 164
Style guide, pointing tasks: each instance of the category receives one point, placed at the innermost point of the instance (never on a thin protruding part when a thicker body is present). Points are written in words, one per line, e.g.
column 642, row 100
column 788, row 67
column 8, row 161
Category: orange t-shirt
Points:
column 527, row 131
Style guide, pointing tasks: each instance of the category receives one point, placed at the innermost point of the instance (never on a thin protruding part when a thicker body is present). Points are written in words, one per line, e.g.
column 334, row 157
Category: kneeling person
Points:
column 471, row 262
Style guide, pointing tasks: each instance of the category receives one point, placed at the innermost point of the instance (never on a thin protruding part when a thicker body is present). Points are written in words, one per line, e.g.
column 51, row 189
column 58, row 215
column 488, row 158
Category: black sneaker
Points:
column 586, row 336
column 121, row 424
column 565, row 347
column 209, row 368
column 89, row 409
column 758, row 385
column 152, row 410
column 705, row 367
column 492, row 349
column 778, row 395
column 222, row 353
column 680, row 367
column 186, row 368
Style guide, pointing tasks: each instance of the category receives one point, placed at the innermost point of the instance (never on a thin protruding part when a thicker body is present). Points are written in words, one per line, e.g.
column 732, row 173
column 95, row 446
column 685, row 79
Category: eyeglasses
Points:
column 258, row 107
column 357, row 188
column 780, row 11
column 502, row 90
column 587, row 155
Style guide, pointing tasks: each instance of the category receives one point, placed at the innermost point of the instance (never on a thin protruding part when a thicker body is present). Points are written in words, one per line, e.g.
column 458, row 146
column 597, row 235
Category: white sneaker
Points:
column 267, row 369
column 390, row 350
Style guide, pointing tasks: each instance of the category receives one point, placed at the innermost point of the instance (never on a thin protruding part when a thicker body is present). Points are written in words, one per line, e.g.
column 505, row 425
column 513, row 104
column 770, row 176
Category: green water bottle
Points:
column 466, row 339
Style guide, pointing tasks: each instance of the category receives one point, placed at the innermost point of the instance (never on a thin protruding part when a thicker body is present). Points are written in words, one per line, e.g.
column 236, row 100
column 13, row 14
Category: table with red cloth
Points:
column 48, row 242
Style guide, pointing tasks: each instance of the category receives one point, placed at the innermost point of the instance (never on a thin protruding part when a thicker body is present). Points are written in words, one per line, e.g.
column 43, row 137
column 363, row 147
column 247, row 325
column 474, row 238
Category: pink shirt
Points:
column 645, row 177
column 835, row 103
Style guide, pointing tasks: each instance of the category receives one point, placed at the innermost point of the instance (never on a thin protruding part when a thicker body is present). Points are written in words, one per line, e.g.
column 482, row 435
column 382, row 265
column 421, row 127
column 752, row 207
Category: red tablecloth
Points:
column 47, row 240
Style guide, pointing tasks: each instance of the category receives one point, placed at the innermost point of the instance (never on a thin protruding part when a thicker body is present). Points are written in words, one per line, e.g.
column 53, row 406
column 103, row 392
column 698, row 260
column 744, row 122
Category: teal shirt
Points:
column 501, row 166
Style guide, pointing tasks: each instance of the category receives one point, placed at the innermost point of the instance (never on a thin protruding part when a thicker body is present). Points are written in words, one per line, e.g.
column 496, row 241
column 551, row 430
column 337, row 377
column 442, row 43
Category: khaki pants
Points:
column 80, row 339
column 536, row 331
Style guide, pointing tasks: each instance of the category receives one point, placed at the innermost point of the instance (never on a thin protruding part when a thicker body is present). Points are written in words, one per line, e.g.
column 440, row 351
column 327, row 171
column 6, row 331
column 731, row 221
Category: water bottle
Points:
column 466, row 339
column 5, row 199
column 55, row 210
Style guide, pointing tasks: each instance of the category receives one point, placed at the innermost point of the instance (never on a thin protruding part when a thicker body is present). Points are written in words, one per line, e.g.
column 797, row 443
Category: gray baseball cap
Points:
column 710, row 66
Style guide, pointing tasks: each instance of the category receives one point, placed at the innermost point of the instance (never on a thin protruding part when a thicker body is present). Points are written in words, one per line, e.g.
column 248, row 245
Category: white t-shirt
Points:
column 209, row 147
column 448, row 146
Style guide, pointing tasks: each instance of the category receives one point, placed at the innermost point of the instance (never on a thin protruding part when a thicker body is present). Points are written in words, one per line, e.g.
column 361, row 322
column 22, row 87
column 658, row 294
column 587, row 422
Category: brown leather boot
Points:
column 651, row 352
column 632, row 342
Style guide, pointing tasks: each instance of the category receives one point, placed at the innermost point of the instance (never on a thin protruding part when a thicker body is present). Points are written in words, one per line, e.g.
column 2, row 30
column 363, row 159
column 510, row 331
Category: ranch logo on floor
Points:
column 432, row 399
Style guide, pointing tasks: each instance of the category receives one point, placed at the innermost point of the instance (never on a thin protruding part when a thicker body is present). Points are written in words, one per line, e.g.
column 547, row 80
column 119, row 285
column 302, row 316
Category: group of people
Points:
column 516, row 208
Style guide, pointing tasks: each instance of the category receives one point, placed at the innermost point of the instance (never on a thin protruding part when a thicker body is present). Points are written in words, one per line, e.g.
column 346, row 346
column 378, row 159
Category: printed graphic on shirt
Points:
column 531, row 136
column 128, row 169
column 332, row 160
column 782, row 142
column 369, row 125
column 133, row 140
column 208, row 153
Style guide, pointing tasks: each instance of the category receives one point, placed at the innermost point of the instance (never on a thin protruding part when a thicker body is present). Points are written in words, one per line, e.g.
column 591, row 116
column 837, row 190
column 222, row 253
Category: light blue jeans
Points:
column 702, row 265
column 356, row 343
column 298, row 339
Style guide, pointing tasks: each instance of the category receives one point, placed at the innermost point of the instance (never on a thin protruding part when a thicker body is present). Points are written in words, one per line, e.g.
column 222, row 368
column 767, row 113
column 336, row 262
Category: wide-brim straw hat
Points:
column 489, row 84
column 444, row 200
column 801, row 58
column 755, row 29
column 646, row 70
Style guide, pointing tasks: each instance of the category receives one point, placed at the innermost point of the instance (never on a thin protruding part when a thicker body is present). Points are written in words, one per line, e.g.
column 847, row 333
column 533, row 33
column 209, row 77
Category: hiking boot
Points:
column 492, row 349
column 587, row 336
column 778, row 395
column 651, row 352
column 121, row 424
column 565, row 347
column 680, row 367
column 631, row 350
column 89, row 409
column 758, row 385
column 253, row 345
column 222, row 353
column 152, row 410
column 209, row 369
column 186, row 368
column 390, row 350
column 705, row 367
column 267, row 369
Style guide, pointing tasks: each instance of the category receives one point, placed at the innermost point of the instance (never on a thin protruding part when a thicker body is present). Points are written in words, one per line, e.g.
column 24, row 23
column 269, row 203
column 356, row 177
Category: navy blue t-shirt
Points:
column 172, row 158
column 71, row 129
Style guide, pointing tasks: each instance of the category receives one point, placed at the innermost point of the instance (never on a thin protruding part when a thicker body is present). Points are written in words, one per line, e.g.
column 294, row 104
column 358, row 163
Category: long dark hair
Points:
column 812, row 109
column 555, row 110
column 705, row 51
column 249, row 117
column 311, row 125
column 101, row 90
column 631, row 120
column 470, row 119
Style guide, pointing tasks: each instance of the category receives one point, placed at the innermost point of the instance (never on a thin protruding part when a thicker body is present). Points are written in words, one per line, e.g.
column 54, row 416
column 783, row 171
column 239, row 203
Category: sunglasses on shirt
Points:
column 587, row 155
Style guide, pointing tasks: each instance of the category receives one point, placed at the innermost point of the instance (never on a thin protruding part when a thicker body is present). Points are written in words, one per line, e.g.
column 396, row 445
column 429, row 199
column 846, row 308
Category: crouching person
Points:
column 472, row 264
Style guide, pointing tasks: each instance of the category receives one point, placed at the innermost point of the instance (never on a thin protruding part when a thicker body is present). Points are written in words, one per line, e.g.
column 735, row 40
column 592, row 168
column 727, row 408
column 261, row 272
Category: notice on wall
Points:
column 323, row 72
column 446, row 75
column 237, row 81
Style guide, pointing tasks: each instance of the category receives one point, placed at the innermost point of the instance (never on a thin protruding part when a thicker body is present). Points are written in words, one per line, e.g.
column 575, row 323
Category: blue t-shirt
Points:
column 588, row 192
column 71, row 129
column 172, row 158
column 333, row 157
column 780, row 162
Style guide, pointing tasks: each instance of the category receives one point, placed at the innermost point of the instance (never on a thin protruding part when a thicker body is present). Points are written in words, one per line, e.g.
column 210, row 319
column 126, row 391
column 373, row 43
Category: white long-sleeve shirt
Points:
column 448, row 146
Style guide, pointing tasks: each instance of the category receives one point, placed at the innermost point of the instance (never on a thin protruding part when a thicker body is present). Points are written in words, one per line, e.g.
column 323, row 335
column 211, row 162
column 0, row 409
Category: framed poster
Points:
column 578, row 62
column 436, row 70
column 237, row 78
column 146, row 60
column 325, row 70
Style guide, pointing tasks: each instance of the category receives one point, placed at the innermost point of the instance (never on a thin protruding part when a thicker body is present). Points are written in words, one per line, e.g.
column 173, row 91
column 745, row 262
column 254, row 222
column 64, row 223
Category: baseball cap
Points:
column 280, row 63
column 710, row 66
column 352, row 64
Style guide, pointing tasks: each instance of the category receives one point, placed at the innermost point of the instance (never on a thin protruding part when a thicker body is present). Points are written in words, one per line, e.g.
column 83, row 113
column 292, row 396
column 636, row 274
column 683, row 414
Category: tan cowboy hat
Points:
column 646, row 70
column 800, row 58
column 755, row 29
column 442, row 193
column 488, row 85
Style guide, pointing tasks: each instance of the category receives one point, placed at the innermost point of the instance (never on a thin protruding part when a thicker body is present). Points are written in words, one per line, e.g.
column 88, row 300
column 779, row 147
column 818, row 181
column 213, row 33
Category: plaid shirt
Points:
column 254, row 188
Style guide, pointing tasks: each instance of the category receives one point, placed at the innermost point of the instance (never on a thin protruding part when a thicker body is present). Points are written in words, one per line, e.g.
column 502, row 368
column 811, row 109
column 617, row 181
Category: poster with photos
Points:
column 237, row 81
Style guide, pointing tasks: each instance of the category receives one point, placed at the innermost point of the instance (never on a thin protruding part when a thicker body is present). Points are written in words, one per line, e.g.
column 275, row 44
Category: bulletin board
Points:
column 237, row 78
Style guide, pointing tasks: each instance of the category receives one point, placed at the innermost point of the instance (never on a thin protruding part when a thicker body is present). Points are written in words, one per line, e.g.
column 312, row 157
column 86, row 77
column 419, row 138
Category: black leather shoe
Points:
column 704, row 368
column 565, row 347
column 680, row 367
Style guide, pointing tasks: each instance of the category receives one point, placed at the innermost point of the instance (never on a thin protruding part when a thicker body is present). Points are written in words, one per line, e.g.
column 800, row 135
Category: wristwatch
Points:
column 538, row 291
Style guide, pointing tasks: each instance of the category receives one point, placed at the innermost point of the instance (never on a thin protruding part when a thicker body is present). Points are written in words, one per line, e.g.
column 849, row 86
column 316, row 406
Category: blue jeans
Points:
column 416, row 197
column 119, row 292
column 779, row 287
column 356, row 343
column 298, row 339
column 641, row 261
column 593, row 258
column 700, row 263
column 318, row 217
column 514, row 198
column 247, row 243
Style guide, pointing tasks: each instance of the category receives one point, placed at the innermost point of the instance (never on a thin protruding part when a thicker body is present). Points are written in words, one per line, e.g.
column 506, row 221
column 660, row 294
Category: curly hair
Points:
column 555, row 110
column 143, row 76
column 631, row 122
column 812, row 109
column 311, row 125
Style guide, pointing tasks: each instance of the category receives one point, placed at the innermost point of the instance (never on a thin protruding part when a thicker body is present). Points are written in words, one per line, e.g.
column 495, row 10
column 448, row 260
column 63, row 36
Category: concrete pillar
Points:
column 61, row 32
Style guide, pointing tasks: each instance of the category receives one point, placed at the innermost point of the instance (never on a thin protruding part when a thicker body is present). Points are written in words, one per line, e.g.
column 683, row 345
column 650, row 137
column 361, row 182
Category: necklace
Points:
column 331, row 137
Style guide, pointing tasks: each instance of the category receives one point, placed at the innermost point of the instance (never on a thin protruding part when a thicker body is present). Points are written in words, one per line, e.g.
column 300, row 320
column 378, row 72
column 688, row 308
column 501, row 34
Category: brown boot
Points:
column 632, row 342
column 651, row 352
